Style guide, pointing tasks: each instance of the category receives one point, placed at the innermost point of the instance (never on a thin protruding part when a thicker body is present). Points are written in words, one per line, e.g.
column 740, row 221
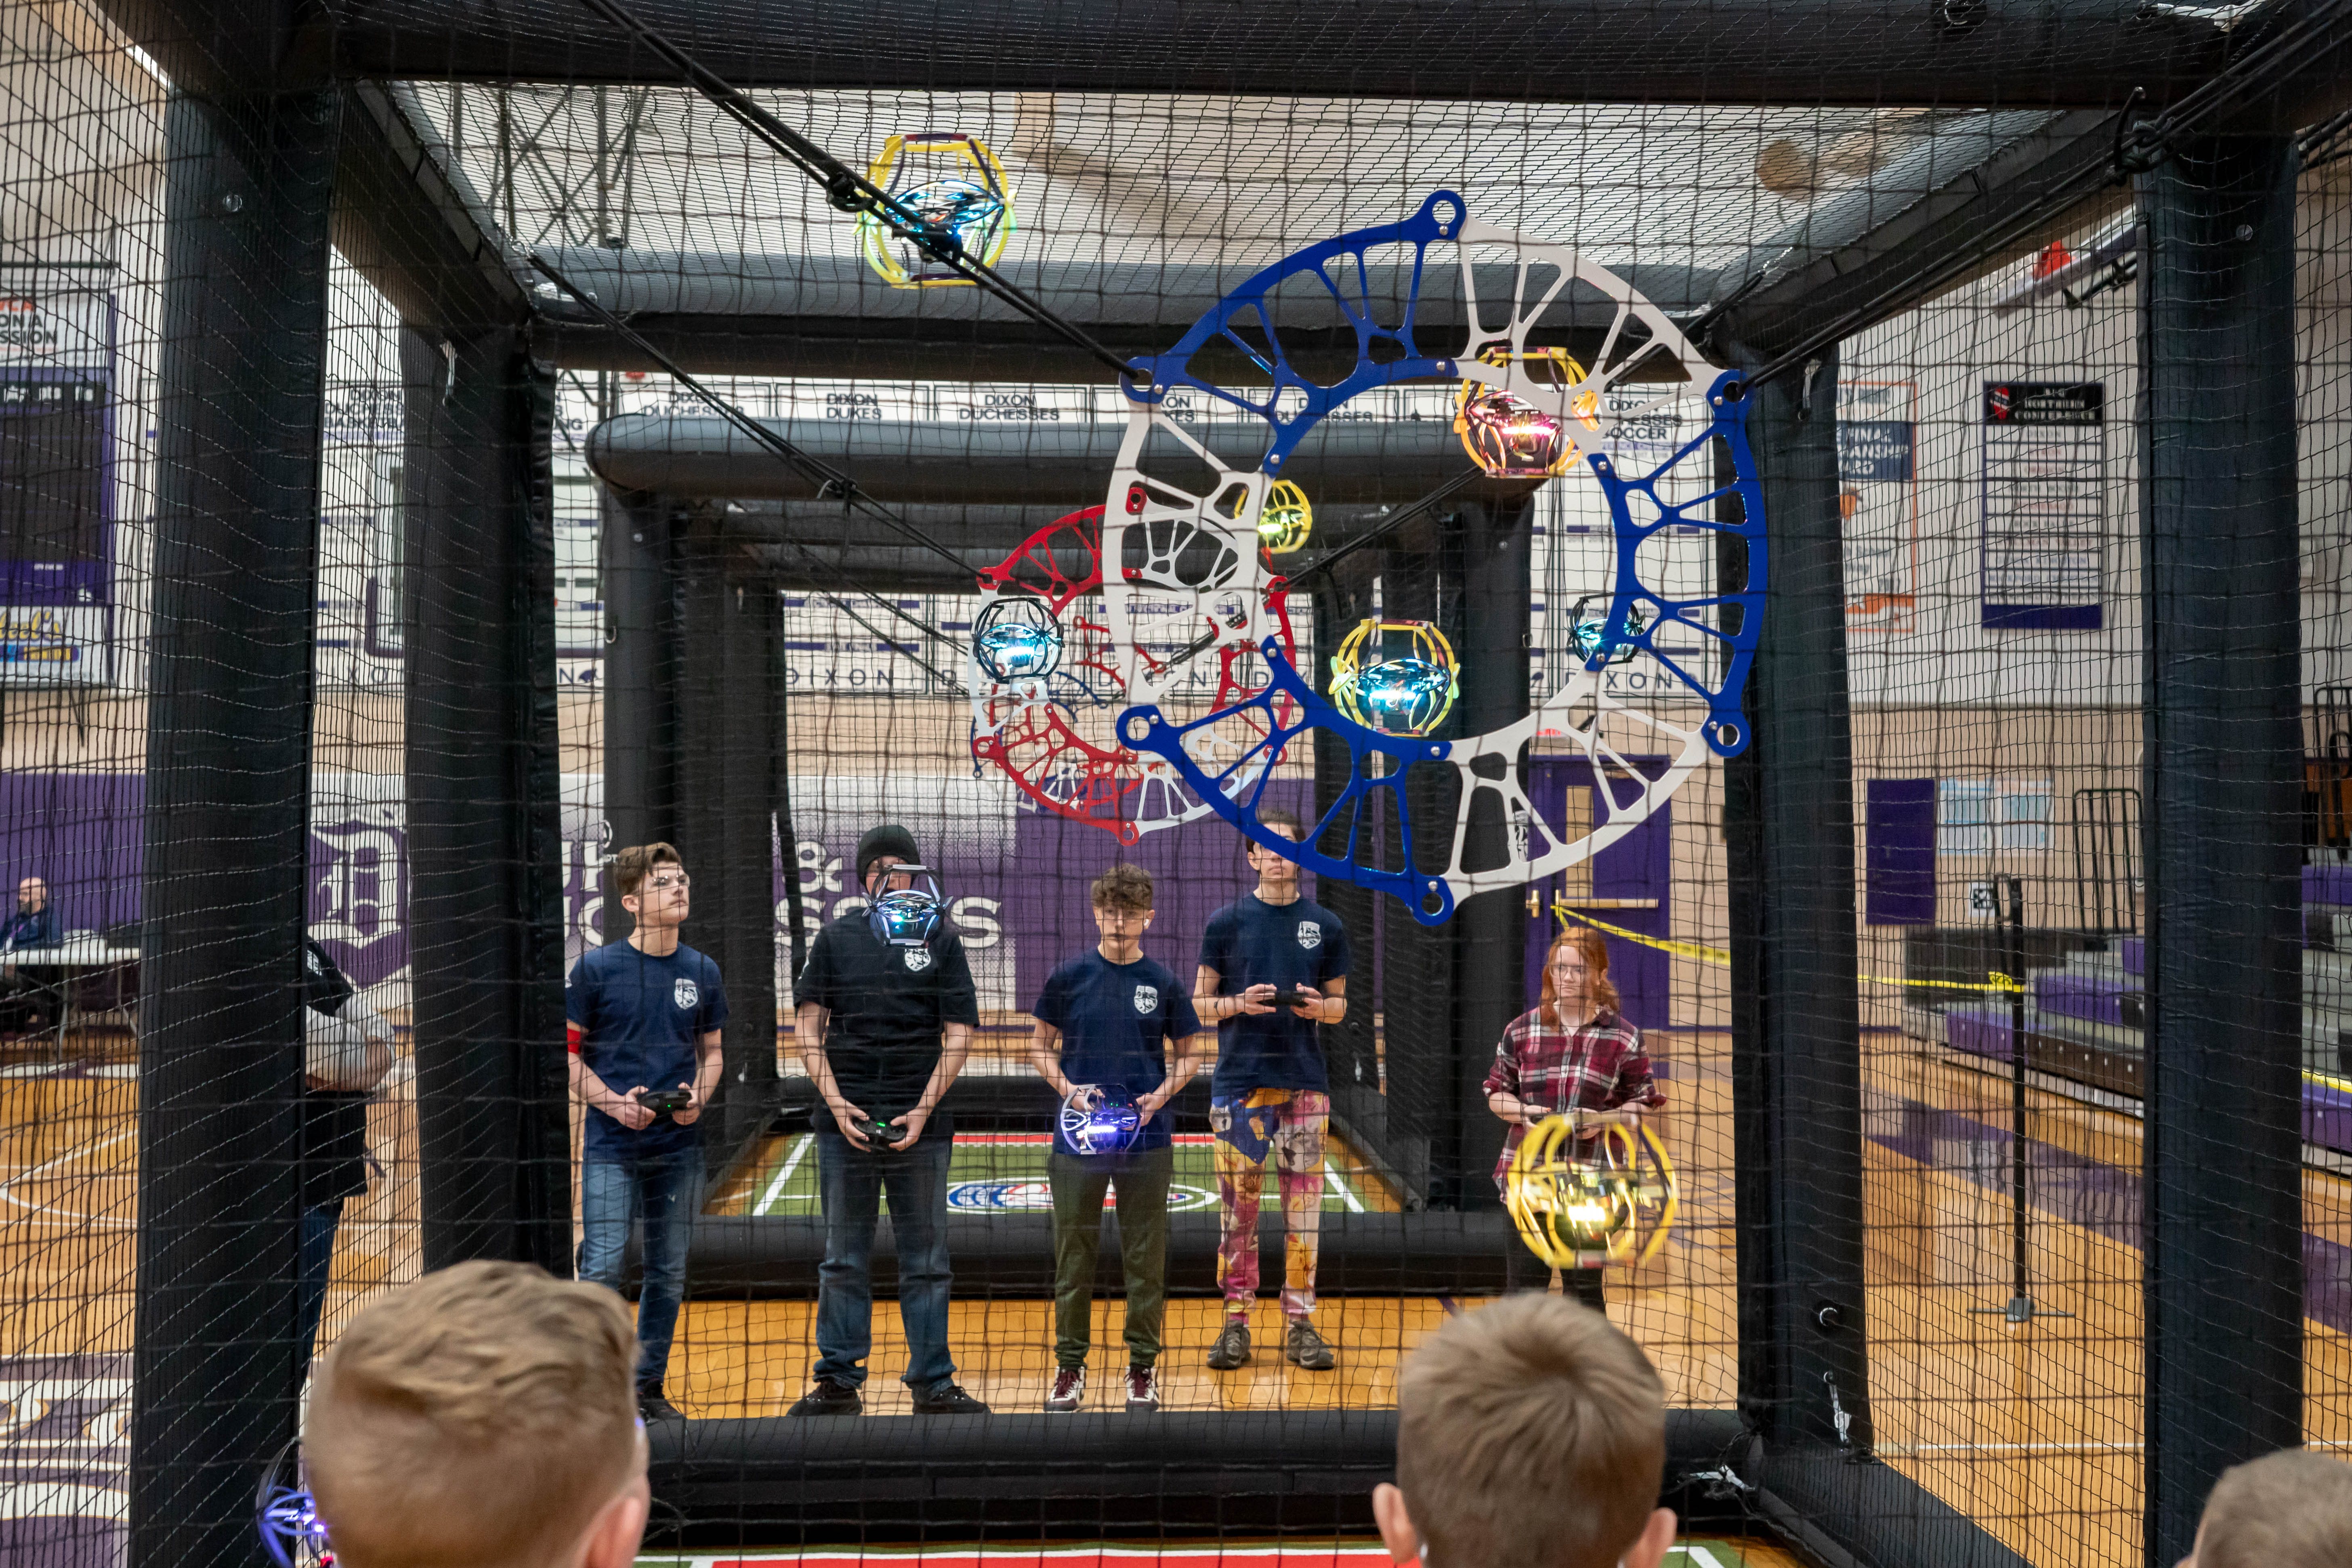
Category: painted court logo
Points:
column 687, row 993
column 1310, row 933
column 1002, row 1197
column 1147, row 997
column 918, row 959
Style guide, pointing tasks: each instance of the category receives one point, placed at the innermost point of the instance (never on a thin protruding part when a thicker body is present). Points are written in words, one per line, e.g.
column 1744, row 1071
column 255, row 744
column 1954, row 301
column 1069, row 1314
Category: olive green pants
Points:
column 1080, row 1185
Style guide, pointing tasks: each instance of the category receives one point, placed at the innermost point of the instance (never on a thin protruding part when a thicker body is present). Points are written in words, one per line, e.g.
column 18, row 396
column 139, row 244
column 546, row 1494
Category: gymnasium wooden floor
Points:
column 2031, row 1430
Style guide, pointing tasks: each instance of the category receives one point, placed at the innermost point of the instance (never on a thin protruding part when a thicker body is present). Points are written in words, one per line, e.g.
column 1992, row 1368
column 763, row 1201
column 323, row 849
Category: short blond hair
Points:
column 2288, row 1510
column 1531, row 1433
column 481, row 1415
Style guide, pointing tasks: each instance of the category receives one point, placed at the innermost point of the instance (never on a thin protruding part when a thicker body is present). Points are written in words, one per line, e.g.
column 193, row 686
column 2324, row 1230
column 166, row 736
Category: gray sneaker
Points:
column 1232, row 1349
column 1307, row 1348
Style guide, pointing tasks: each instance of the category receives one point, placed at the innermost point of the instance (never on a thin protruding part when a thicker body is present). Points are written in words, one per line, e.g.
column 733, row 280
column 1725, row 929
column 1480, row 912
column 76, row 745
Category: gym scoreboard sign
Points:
column 57, row 483
column 2044, row 477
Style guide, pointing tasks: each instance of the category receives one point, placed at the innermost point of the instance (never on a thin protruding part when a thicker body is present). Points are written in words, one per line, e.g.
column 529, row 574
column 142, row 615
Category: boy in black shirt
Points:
column 884, row 1030
column 1104, row 1019
column 1270, row 1102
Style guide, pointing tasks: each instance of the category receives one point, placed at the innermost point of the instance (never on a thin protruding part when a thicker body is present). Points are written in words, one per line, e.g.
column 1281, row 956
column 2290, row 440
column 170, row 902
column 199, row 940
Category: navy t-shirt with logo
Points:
column 1252, row 943
column 1115, row 1019
column 639, row 1018
column 889, row 1005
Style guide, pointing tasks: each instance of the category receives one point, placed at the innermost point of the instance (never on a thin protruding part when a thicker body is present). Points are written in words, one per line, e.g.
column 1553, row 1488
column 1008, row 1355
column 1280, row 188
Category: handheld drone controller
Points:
column 877, row 1130
column 665, row 1101
column 1288, row 999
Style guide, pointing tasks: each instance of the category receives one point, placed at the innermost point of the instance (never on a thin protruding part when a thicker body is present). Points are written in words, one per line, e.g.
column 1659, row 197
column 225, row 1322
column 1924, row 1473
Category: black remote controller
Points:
column 662, row 1102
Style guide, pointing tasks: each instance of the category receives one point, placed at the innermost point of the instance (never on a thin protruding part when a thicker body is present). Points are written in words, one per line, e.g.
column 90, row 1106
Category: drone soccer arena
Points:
column 1835, row 514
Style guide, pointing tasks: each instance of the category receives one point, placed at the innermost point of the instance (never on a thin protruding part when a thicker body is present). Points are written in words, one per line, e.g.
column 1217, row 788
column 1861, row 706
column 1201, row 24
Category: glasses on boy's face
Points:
column 664, row 884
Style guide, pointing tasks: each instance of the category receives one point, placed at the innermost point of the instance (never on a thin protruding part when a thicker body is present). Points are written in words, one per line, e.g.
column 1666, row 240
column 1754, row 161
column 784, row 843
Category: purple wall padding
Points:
column 1900, row 852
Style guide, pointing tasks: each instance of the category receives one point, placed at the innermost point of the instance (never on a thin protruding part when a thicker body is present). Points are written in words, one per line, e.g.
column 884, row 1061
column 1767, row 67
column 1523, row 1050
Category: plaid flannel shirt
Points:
column 1599, row 1066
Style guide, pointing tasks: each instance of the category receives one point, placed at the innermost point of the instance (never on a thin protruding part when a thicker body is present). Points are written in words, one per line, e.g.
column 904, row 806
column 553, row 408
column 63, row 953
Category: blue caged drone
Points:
column 1095, row 1120
column 907, row 917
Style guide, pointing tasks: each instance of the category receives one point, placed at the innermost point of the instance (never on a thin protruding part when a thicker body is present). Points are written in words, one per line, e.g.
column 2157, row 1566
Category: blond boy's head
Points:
column 2287, row 1510
column 1531, row 1433
column 486, row 1414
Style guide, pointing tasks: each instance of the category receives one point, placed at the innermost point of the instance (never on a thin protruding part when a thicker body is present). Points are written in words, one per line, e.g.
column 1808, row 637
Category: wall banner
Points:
column 2043, row 496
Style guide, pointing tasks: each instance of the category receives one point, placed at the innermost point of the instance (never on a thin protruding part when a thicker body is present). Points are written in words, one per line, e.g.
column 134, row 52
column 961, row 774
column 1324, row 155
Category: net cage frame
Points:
column 526, row 442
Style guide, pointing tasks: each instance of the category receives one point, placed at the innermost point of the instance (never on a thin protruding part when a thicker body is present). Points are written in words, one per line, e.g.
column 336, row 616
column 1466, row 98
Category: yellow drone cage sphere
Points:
column 1397, row 676
column 950, row 181
column 1615, row 1207
column 1285, row 520
column 1508, row 438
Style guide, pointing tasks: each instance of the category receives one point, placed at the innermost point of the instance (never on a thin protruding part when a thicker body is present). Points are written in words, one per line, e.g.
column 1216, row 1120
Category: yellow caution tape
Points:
column 1995, row 981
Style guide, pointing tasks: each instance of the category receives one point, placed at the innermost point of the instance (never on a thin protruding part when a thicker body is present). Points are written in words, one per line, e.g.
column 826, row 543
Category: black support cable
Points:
column 830, row 481
column 891, row 643
column 2140, row 145
column 854, row 193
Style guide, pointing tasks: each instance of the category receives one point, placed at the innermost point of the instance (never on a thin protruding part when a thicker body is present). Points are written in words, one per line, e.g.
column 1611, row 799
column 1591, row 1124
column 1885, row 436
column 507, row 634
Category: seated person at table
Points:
column 1531, row 1433
column 485, row 1417
column 25, row 1003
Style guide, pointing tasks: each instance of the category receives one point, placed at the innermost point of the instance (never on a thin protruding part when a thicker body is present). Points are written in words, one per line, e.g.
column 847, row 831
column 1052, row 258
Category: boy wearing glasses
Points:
column 645, row 1013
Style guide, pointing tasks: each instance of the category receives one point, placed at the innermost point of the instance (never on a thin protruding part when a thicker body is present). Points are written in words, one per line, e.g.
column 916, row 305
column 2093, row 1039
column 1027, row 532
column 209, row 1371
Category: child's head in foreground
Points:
column 1531, row 1433
column 486, row 1414
column 2287, row 1510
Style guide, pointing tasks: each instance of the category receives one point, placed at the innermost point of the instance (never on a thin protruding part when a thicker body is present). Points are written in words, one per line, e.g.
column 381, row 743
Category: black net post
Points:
column 1795, row 1015
column 241, row 389
column 2222, row 755
column 730, row 755
column 484, row 799
column 641, row 631
column 1489, row 930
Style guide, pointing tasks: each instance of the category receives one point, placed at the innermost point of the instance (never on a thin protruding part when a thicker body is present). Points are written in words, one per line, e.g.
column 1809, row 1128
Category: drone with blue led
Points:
column 1201, row 725
column 909, row 916
column 1098, row 1122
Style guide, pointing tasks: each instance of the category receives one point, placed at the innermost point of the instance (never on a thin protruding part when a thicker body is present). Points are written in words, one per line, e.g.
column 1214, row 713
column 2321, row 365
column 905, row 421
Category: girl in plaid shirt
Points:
column 1574, row 1053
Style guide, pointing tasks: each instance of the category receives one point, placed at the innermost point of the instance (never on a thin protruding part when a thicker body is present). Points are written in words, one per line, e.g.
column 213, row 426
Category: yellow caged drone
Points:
column 1614, row 1208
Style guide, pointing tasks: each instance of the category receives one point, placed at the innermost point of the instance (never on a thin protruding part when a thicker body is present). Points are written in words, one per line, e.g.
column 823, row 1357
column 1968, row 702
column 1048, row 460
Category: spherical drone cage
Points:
column 1190, row 535
column 1615, row 1207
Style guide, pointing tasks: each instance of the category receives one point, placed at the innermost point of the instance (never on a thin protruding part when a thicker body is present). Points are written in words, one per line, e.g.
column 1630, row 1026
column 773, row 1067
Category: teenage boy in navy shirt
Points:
column 884, row 1030
column 1106, row 1019
column 1270, row 1098
column 645, row 1013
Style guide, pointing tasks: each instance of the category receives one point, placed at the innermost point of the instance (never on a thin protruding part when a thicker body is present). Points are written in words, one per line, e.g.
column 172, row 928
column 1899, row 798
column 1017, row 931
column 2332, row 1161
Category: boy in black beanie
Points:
column 883, row 1027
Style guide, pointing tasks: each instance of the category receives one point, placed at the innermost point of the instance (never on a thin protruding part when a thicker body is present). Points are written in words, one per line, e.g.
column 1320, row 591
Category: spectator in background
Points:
column 347, row 1051
column 2288, row 1510
column 26, row 1003
column 481, row 1418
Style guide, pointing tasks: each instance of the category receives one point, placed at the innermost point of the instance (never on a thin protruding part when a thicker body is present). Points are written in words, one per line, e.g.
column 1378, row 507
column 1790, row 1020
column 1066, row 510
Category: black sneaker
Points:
column 830, row 1397
column 1307, row 1348
column 947, row 1399
column 1232, row 1348
column 652, row 1407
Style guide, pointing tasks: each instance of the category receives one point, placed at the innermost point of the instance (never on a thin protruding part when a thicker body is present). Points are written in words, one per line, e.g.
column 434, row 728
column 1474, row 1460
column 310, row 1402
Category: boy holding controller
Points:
column 1104, row 1022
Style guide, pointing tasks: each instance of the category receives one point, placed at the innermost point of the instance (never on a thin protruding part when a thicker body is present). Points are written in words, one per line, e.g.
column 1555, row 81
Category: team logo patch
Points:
column 1310, row 933
column 918, row 959
column 687, row 993
column 1147, row 999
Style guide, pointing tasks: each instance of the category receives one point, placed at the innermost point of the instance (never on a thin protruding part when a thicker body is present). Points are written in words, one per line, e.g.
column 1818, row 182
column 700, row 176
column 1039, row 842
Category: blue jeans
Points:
column 852, row 1182
column 311, row 1283
column 666, row 1190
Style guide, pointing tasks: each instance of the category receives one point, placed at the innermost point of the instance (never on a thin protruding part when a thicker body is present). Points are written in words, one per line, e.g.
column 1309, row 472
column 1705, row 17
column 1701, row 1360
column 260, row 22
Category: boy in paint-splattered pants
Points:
column 1270, row 1099
column 1282, row 1128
